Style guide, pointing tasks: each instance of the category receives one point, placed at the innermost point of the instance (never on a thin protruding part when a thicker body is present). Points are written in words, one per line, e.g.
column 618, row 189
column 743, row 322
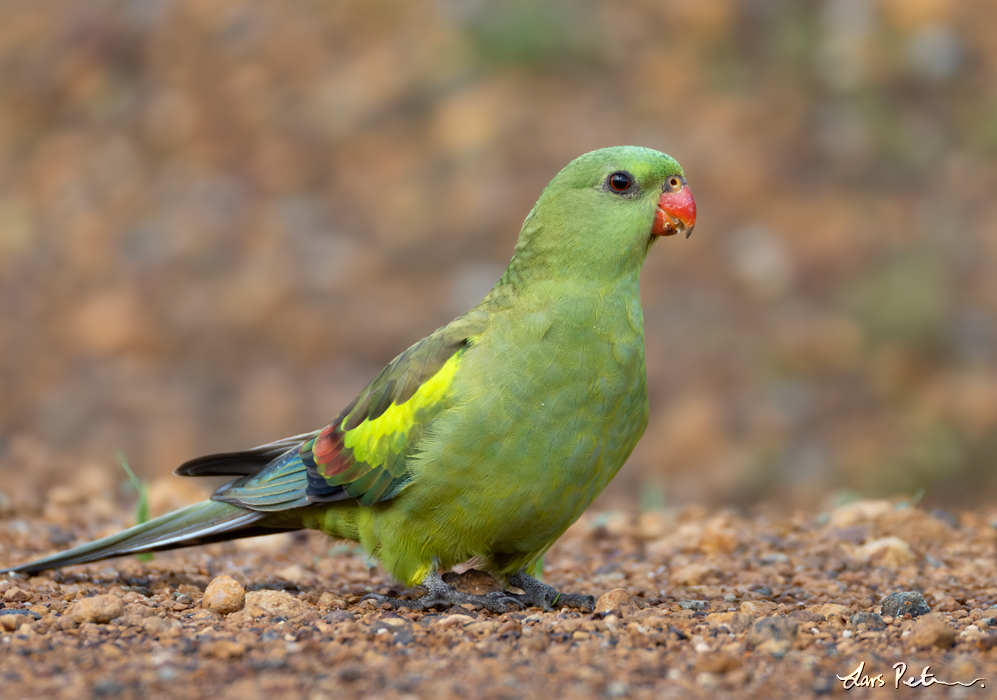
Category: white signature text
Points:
column 860, row 679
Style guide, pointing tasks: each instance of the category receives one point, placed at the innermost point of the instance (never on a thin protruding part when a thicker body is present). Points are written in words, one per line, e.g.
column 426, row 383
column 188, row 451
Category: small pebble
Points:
column 617, row 601
column 986, row 642
column 331, row 601
column 717, row 662
column 10, row 623
column 904, row 602
column 773, row 634
column 734, row 621
column 223, row 649
column 891, row 552
column 931, row 630
column 835, row 614
column 873, row 620
column 280, row 604
column 100, row 609
column 224, row 595
column 16, row 595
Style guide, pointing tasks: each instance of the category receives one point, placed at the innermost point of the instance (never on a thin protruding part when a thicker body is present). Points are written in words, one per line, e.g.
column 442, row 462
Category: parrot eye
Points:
column 674, row 183
column 620, row 182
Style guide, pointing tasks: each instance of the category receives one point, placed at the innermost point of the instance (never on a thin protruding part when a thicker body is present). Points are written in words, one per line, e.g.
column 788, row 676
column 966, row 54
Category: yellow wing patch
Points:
column 374, row 440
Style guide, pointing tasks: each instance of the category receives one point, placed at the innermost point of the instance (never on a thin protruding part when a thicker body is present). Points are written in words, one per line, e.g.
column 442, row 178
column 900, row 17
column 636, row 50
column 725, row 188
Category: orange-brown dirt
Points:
column 693, row 603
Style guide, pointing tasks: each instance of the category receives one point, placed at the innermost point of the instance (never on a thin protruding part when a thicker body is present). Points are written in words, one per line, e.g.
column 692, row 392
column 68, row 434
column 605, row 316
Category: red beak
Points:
column 676, row 212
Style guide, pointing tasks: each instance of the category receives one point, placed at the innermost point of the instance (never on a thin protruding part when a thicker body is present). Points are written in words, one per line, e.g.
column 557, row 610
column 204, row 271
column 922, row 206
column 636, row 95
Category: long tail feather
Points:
column 201, row 523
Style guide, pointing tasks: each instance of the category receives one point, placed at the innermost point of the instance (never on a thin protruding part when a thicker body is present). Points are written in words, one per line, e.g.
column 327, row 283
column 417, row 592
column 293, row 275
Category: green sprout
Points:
column 142, row 506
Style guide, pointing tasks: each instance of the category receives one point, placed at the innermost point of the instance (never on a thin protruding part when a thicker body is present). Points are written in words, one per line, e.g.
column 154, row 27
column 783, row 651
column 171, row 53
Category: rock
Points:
column 247, row 615
column 129, row 620
column 11, row 622
column 806, row 616
column 100, row 609
column 718, row 536
column 971, row 634
column 652, row 525
column 153, row 626
column 914, row 525
column 946, row 604
column 873, row 620
column 472, row 582
column 338, row 616
column 987, row 641
column 209, row 616
column 834, row 613
column 757, row 608
column 932, row 631
column 331, row 601
column 139, row 610
column 280, row 603
column 223, row 649
column 224, row 595
column 692, row 574
column 773, row 634
column 617, row 601
column 16, row 595
column 351, row 673
column 26, row 631
column 858, row 513
column 904, row 602
column 511, row 628
column 392, row 619
column 717, row 662
column 455, row 620
column 735, row 621
column 891, row 552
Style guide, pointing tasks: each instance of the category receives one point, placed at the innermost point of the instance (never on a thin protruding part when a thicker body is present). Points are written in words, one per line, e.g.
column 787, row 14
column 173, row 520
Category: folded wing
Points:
column 362, row 454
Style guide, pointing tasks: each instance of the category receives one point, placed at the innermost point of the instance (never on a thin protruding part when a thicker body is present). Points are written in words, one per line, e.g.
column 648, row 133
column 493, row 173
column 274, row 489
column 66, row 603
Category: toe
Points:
column 582, row 602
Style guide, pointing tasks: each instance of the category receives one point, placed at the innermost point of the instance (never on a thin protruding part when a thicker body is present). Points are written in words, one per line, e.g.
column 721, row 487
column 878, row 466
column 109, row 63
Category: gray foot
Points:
column 441, row 596
column 547, row 597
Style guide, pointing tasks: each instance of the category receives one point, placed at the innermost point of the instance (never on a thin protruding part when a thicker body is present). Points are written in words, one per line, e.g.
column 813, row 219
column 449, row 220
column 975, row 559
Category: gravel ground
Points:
column 693, row 603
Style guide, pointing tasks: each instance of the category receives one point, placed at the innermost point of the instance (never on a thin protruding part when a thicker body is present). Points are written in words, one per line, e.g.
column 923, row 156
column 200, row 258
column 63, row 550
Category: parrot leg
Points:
column 441, row 595
column 543, row 596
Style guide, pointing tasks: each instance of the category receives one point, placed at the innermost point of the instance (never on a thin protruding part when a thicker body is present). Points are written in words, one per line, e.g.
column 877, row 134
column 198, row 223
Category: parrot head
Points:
column 603, row 211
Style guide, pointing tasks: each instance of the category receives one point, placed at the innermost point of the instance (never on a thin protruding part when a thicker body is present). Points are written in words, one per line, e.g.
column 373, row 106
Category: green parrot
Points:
column 486, row 439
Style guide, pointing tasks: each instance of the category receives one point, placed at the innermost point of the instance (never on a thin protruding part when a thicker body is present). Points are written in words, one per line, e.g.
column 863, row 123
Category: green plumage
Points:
column 490, row 437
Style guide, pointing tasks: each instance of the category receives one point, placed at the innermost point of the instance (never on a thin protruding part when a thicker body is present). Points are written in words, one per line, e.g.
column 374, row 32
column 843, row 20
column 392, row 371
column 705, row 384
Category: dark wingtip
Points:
column 241, row 463
column 223, row 464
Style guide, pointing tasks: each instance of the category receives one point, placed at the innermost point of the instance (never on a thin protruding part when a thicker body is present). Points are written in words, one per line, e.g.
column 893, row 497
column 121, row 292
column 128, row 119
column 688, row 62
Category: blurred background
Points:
column 219, row 218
